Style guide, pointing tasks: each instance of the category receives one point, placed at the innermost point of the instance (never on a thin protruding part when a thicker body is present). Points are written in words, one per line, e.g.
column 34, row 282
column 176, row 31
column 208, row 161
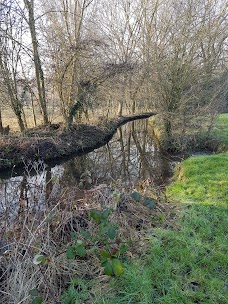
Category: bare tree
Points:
column 120, row 25
column 10, row 52
column 165, row 56
column 71, row 48
column 181, row 47
column 37, row 62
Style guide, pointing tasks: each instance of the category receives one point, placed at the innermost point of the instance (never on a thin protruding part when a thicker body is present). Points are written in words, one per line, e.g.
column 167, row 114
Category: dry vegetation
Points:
column 48, row 232
column 62, row 60
column 54, row 141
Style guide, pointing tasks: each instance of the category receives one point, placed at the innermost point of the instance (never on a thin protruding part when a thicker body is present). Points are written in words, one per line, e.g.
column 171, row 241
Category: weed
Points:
column 102, row 243
column 187, row 264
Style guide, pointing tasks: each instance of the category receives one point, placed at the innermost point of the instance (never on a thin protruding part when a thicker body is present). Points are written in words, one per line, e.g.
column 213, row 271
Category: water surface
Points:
column 132, row 155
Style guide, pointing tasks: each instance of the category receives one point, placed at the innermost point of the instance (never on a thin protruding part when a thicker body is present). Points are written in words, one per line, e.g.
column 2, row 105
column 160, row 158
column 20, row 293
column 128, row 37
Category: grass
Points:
column 10, row 119
column 80, row 280
column 202, row 179
column 188, row 265
column 185, row 266
column 221, row 131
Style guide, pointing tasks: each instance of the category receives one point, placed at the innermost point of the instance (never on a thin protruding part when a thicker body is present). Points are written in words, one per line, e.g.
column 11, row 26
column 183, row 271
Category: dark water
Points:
column 131, row 155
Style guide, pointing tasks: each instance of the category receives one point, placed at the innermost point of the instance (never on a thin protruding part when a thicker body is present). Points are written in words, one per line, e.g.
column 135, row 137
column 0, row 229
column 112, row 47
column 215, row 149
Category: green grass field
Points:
column 187, row 265
column 202, row 180
column 221, row 131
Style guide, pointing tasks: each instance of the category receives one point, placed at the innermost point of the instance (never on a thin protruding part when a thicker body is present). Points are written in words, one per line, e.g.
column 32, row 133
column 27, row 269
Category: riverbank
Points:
column 187, row 264
column 53, row 141
column 177, row 249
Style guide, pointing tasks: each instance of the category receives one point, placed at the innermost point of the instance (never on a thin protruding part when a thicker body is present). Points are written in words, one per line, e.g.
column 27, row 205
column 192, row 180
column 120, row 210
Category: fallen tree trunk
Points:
column 55, row 143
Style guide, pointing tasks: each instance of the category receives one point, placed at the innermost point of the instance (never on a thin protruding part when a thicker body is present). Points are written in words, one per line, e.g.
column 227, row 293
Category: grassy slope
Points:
column 202, row 179
column 221, row 131
column 188, row 265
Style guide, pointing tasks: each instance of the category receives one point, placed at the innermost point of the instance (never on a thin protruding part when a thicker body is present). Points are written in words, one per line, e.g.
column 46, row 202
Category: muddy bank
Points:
column 52, row 141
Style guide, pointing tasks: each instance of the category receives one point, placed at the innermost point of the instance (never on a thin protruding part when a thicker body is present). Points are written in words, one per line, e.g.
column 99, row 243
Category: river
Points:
column 131, row 156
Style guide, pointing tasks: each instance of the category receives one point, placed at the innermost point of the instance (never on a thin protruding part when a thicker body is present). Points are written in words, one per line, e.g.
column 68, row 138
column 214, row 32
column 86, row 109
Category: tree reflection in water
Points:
column 131, row 156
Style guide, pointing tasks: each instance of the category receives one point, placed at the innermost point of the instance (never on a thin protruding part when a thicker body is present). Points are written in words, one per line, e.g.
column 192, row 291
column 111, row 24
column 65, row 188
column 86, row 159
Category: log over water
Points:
column 50, row 142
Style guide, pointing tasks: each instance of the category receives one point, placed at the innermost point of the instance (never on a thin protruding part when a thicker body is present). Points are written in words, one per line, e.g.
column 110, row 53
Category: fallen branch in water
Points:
column 48, row 142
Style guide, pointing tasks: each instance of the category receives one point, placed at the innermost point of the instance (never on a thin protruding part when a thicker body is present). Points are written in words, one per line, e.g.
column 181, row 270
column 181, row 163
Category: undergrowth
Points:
column 188, row 264
column 178, row 251
column 204, row 133
column 221, row 132
column 67, row 251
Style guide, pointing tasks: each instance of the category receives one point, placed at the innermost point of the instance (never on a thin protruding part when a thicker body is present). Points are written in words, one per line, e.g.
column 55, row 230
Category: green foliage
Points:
column 186, row 265
column 136, row 196
column 221, row 132
column 111, row 232
column 36, row 299
column 33, row 292
column 100, row 217
column 117, row 267
column 146, row 201
column 111, row 262
column 77, row 249
column 39, row 259
column 102, row 243
column 76, row 292
column 112, row 266
column 149, row 202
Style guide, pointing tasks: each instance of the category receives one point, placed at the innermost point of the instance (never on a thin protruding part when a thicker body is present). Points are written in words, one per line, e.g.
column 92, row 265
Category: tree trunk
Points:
column 120, row 108
column 20, row 122
column 69, row 121
column 24, row 119
column 1, row 126
column 168, row 131
column 11, row 86
column 33, row 110
column 37, row 62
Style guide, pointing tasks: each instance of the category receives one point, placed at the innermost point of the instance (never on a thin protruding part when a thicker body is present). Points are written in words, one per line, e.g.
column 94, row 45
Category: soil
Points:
column 54, row 141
